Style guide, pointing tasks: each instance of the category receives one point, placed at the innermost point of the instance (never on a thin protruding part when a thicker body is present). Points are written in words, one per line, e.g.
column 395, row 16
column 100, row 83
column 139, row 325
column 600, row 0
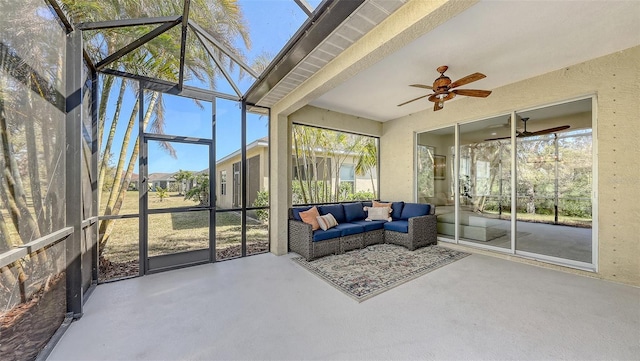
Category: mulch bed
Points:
column 113, row 270
column 236, row 251
column 116, row 270
column 26, row 328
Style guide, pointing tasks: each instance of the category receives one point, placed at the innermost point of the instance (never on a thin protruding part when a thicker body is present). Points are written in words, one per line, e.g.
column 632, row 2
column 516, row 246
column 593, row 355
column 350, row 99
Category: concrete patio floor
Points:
column 268, row 307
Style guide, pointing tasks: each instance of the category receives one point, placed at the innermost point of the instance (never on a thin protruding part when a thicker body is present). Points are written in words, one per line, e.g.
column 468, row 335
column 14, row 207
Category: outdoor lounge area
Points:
column 319, row 179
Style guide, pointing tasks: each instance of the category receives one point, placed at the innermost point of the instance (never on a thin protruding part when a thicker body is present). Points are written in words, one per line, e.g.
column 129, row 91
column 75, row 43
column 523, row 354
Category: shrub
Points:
column 200, row 192
column 162, row 193
column 262, row 201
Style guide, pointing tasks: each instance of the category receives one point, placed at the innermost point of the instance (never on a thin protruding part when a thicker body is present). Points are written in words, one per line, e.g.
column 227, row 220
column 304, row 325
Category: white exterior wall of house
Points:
column 613, row 79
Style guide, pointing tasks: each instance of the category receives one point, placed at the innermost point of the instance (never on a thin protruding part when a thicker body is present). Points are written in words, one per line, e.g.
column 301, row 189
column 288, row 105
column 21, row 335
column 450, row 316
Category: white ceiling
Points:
column 508, row 41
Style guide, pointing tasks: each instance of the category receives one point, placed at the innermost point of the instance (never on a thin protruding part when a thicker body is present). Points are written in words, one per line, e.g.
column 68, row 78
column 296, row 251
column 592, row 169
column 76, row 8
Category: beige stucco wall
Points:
column 226, row 201
column 615, row 80
column 318, row 117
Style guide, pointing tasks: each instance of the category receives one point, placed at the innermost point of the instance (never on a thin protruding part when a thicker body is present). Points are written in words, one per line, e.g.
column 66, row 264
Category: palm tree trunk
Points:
column 104, row 162
column 5, row 240
column 107, row 84
column 20, row 214
column 117, row 177
column 305, row 149
column 106, row 226
column 32, row 165
column 299, row 173
column 373, row 185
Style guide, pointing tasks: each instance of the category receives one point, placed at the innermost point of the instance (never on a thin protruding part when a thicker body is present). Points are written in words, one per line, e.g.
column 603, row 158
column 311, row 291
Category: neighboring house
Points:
column 228, row 180
column 133, row 185
column 163, row 180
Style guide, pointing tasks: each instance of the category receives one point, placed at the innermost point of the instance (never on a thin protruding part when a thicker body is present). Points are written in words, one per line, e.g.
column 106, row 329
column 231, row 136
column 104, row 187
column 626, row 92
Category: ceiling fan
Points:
column 525, row 133
column 443, row 89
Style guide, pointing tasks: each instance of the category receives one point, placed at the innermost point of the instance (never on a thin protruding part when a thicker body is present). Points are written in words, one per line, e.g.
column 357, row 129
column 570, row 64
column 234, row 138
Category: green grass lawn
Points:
column 177, row 232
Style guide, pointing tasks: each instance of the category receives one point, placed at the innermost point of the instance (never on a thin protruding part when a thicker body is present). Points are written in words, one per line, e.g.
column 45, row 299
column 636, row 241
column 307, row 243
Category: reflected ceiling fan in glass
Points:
column 525, row 133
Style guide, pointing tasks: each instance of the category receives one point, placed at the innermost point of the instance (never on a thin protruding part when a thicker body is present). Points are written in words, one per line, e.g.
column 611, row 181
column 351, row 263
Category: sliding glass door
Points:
column 484, row 178
column 477, row 179
column 555, row 182
column 435, row 177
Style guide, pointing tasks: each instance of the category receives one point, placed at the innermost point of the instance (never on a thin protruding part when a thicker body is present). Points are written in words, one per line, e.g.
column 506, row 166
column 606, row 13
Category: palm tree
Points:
column 367, row 160
column 158, row 58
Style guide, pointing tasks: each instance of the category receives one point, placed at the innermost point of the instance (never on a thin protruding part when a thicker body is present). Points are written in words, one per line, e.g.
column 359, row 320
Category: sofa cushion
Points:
column 347, row 229
column 335, row 209
column 371, row 225
column 321, row 235
column 367, row 204
column 310, row 216
column 397, row 226
column 327, row 221
column 414, row 210
column 354, row 212
column 396, row 210
column 296, row 212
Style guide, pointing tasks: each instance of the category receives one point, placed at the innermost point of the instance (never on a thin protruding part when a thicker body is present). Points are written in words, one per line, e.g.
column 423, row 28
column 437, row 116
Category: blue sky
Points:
column 271, row 24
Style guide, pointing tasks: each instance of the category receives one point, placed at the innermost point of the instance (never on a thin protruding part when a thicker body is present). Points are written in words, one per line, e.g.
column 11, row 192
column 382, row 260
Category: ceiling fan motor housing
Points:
column 441, row 87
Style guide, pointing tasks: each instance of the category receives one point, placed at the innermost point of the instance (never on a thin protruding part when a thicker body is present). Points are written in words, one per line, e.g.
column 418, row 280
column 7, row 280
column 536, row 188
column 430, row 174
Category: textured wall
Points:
column 324, row 118
column 615, row 80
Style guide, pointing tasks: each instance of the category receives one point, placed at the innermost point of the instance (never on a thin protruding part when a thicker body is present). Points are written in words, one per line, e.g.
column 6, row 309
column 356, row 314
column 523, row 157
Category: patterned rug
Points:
column 368, row 272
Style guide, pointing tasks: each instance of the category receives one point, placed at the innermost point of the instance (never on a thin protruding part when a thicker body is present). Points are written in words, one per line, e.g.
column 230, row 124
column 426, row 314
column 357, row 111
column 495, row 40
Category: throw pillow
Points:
column 379, row 204
column 310, row 216
column 327, row 221
column 378, row 213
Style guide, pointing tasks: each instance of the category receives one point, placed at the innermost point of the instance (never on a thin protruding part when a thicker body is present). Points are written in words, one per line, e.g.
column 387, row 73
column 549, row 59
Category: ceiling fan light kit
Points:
column 443, row 89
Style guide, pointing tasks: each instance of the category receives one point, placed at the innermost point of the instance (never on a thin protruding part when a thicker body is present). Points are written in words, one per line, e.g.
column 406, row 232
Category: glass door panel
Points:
column 484, row 191
column 554, row 182
column 435, row 176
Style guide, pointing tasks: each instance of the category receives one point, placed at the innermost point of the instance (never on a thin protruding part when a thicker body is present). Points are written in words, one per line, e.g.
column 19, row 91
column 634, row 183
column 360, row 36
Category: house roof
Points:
column 154, row 177
column 262, row 142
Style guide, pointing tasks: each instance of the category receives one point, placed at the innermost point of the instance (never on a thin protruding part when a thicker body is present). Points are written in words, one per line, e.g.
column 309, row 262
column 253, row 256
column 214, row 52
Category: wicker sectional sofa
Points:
column 413, row 226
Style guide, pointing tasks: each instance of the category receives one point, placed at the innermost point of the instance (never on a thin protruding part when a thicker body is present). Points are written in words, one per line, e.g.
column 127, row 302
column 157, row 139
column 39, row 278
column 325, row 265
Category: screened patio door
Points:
column 178, row 211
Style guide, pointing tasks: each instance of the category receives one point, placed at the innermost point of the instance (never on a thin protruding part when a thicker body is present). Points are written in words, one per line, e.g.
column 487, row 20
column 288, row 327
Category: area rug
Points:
column 364, row 273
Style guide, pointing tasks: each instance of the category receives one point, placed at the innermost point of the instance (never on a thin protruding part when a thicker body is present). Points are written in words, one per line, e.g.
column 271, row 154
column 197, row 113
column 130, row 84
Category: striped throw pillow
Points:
column 327, row 221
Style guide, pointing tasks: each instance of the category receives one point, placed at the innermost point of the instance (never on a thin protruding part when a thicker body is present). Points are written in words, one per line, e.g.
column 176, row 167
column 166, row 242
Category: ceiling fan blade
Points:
column 436, row 106
column 549, row 131
column 472, row 92
column 466, row 80
column 413, row 100
column 422, row 86
column 500, row 138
